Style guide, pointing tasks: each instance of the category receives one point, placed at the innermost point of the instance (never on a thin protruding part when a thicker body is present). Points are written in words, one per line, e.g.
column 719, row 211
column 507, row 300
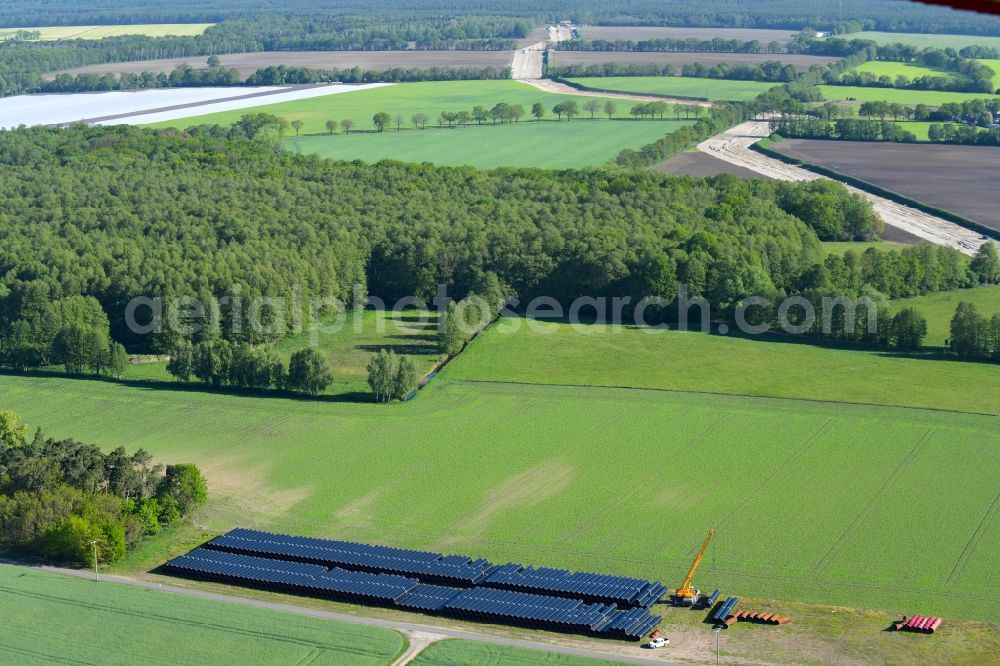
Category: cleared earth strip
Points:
column 733, row 146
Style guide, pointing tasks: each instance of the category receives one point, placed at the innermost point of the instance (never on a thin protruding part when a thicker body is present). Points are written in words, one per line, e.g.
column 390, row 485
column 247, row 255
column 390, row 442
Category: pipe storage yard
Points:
column 608, row 606
column 429, row 567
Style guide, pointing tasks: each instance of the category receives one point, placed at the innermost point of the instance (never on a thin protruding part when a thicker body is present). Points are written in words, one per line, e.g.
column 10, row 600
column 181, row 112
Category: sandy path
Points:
column 733, row 146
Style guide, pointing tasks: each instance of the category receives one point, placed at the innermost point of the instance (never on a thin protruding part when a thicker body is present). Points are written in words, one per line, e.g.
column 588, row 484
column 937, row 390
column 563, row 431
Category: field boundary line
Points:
column 824, row 562
column 973, row 542
column 818, row 401
column 591, row 522
column 777, row 472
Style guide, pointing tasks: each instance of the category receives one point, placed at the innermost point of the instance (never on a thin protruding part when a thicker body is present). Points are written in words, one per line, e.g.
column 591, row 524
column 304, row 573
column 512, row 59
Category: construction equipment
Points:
column 685, row 594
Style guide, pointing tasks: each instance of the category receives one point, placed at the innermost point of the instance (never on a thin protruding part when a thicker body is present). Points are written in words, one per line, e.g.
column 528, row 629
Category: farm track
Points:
column 733, row 146
column 548, row 85
column 408, row 629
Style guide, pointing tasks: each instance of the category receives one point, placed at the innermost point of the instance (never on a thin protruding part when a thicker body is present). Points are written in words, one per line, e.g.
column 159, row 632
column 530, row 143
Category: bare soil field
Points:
column 961, row 179
column 611, row 33
column 702, row 165
column 563, row 58
column 248, row 63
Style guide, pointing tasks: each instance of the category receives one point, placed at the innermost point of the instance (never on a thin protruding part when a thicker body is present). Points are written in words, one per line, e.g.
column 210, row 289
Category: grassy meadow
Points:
column 405, row 99
column 452, row 652
column 894, row 69
column 559, row 475
column 51, row 33
column 690, row 361
column 684, row 86
column 49, row 618
column 925, row 40
column 939, row 308
column 550, row 145
column 902, row 96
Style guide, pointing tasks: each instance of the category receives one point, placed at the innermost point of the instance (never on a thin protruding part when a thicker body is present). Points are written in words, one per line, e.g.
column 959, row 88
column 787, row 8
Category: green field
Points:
column 809, row 499
column 939, row 308
column 936, row 41
column 908, row 97
column 100, row 31
column 404, row 99
column 692, row 361
column 550, row 144
column 49, row 618
column 467, row 653
column 894, row 69
column 683, row 86
column 835, row 247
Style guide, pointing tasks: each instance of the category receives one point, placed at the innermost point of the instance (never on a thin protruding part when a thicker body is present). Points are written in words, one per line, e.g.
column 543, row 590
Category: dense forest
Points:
column 97, row 216
column 64, row 500
column 846, row 15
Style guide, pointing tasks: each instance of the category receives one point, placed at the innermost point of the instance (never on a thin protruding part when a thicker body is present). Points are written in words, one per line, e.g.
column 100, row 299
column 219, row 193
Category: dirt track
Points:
column 733, row 146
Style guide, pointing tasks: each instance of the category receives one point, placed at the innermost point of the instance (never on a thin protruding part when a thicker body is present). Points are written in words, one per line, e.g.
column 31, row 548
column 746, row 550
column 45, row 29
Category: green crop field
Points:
column 405, row 99
column 51, row 33
column 689, row 361
column 49, row 618
column 835, row 247
column 684, row 86
column 802, row 494
column 894, row 69
column 908, row 97
column 453, row 652
column 939, row 308
column 550, row 145
column 922, row 40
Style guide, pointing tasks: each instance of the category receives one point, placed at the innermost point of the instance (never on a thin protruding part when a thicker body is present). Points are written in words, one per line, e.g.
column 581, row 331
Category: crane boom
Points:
column 685, row 591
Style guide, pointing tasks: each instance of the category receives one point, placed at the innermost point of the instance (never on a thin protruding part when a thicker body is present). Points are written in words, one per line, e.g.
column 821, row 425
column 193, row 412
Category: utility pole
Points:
column 97, row 575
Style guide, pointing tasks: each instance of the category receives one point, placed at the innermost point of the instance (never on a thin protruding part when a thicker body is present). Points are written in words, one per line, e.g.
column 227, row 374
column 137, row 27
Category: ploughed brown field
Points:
column 697, row 163
column 563, row 58
column 611, row 33
column 961, row 179
column 248, row 63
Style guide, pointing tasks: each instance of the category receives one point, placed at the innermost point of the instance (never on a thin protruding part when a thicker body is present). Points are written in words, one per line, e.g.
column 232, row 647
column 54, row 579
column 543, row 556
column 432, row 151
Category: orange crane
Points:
column 685, row 594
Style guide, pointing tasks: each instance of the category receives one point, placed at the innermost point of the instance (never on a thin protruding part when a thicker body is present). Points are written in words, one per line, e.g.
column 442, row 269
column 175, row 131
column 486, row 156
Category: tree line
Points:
column 61, row 499
column 219, row 362
column 671, row 45
column 771, row 70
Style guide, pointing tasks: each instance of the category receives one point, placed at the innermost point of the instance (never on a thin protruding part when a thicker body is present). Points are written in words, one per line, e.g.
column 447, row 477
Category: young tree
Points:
column 405, row 379
column 185, row 485
column 97, row 351
column 117, row 360
column 570, row 109
column 592, row 106
column 181, row 363
column 516, row 112
column 538, row 110
column 610, row 108
column 308, row 372
column 331, row 126
column 419, row 120
column 71, row 348
column 347, row 124
column 985, row 265
column 559, row 109
column 480, row 114
column 968, row 331
column 381, row 120
column 907, row 329
column 450, row 336
column 382, row 370
column 297, row 125
column 399, row 120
